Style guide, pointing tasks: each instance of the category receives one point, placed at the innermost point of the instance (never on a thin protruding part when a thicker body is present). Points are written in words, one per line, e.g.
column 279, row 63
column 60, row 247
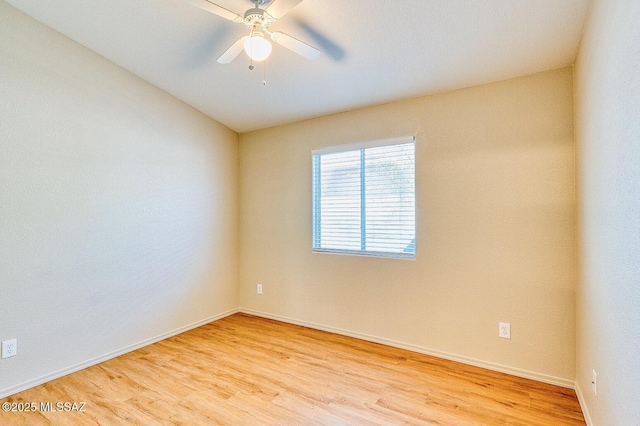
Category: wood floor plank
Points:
column 245, row 370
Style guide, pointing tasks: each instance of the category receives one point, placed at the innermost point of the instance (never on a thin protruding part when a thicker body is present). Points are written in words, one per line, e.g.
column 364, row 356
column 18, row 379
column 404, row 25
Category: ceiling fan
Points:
column 255, row 44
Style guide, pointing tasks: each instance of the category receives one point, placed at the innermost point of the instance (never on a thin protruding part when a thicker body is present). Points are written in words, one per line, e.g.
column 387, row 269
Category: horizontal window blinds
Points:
column 364, row 198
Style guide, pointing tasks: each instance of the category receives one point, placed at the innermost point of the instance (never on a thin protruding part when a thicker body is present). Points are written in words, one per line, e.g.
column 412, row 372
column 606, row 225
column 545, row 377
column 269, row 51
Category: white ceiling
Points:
column 373, row 51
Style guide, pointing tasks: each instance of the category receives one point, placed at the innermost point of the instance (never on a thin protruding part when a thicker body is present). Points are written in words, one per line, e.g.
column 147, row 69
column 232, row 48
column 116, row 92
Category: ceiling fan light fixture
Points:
column 257, row 47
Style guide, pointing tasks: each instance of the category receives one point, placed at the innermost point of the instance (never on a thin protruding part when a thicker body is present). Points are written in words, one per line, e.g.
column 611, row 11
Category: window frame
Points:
column 316, row 195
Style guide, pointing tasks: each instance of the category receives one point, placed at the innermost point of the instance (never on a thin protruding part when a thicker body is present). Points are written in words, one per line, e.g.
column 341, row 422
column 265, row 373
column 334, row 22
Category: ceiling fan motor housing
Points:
column 254, row 14
column 257, row 16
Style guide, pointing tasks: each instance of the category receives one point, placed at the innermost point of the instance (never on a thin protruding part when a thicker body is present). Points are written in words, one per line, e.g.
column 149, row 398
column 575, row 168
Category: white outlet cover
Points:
column 504, row 330
column 9, row 348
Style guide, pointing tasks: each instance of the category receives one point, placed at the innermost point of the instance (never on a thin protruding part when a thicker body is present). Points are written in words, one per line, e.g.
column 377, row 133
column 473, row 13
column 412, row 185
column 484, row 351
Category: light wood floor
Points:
column 244, row 370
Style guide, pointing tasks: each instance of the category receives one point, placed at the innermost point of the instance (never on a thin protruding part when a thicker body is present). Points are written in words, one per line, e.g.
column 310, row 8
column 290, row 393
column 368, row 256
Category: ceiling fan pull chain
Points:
column 264, row 73
column 253, row 28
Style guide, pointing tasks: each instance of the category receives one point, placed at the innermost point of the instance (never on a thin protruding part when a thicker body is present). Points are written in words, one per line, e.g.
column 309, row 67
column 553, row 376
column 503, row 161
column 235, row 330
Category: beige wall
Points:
column 495, row 239
column 607, row 92
column 118, row 207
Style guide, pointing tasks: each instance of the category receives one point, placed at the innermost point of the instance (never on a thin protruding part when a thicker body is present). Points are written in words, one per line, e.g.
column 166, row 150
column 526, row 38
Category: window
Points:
column 364, row 198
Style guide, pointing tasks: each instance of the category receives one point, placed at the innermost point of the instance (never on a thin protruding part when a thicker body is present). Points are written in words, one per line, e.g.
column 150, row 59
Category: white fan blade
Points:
column 291, row 43
column 279, row 8
column 232, row 52
column 215, row 9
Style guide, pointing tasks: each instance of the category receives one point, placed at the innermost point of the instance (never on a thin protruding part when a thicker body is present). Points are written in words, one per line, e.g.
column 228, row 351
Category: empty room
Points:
column 320, row 212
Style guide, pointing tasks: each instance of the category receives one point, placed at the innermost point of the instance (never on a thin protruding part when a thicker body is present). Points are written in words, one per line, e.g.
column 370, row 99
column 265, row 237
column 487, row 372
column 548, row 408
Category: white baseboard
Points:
column 414, row 348
column 583, row 405
column 558, row 381
column 72, row 369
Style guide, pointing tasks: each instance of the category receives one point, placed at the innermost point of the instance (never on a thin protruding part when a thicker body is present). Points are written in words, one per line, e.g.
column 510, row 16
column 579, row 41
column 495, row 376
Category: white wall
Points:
column 607, row 89
column 118, row 207
column 496, row 228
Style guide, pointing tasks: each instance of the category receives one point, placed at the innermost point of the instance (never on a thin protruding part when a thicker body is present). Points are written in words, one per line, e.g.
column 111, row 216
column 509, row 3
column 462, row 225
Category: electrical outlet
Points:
column 504, row 330
column 259, row 289
column 9, row 348
column 594, row 382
